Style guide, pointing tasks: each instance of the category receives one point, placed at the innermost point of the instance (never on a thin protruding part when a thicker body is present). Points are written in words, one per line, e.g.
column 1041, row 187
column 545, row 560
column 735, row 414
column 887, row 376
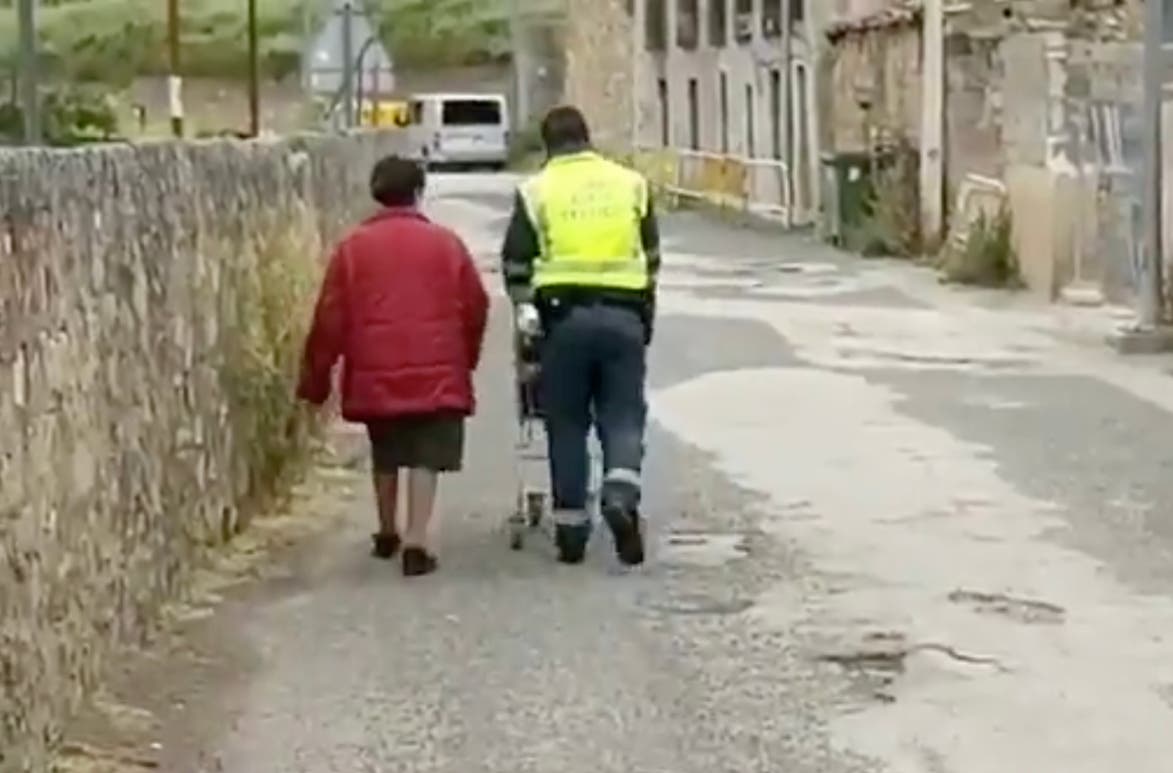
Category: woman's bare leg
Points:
column 421, row 500
column 386, row 502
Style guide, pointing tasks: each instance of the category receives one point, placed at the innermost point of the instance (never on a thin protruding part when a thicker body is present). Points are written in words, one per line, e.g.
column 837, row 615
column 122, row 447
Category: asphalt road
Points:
column 894, row 529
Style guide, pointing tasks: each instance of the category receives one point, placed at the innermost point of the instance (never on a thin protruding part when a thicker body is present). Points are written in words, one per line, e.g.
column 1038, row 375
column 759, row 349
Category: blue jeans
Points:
column 593, row 368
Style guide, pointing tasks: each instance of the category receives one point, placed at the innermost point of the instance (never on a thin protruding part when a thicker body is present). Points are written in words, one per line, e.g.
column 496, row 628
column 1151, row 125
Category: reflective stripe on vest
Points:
column 587, row 213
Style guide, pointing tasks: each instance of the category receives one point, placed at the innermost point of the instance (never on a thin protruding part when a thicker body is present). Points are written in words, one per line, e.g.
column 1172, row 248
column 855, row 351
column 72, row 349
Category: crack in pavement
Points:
column 1021, row 610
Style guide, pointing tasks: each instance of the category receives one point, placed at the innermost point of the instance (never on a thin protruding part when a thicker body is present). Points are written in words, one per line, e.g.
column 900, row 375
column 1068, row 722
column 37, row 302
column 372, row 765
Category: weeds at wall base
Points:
column 985, row 257
column 892, row 227
column 274, row 435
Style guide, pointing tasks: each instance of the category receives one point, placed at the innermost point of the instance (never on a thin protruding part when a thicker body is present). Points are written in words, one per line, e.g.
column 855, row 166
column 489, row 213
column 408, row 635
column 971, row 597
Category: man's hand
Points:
column 529, row 322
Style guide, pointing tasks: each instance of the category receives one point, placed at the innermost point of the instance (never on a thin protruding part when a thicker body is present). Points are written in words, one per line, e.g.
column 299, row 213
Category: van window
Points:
column 471, row 112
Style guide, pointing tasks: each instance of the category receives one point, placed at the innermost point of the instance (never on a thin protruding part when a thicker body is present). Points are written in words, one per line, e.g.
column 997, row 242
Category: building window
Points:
column 743, row 20
column 718, row 23
column 776, row 113
column 772, row 18
column 688, row 24
column 750, row 119
column 665, row 114
column 723, row 96
column 797, row 11
column 655, row 26
column 694, row 114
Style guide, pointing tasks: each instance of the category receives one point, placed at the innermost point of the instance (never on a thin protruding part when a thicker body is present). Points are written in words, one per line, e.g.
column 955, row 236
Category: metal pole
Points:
column 376, row 96
column 787, row 119
column 1152, row 291
column 360, row 86
column 307, row 24
column 521, row 64
column 254, row 72
column 347, row 66
column 29, row 89
column 175, row 81
column 932, row 178
column 638, row 22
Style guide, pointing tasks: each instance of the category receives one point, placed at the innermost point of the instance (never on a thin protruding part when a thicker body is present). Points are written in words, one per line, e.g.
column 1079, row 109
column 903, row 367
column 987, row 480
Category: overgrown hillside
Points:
column 113, row 40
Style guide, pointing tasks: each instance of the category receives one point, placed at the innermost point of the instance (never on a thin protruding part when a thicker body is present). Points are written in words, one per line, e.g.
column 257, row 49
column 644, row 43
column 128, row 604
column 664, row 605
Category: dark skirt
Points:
column 433, row 441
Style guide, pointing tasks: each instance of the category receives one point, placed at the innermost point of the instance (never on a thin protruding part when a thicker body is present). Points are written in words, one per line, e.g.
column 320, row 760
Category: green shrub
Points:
column 71, row 116
column 892, row 227
column 987, row 256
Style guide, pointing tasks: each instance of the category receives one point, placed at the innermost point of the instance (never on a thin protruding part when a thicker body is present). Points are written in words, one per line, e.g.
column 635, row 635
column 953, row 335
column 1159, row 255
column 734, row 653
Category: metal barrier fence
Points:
column 756, row 186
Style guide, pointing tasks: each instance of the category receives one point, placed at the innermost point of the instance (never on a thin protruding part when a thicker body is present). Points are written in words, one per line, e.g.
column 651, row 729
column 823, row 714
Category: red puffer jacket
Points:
column 403, row 305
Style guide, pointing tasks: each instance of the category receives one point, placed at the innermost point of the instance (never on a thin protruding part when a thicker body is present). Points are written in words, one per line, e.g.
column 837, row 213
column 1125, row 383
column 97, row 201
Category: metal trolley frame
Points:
column 533, row 498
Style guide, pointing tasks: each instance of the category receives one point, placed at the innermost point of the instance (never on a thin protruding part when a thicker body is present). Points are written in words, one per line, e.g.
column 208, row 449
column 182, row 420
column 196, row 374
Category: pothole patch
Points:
column 697, row 605
column 883, row 656
column 703, row 548
column 809, row 268
column 1020, row 610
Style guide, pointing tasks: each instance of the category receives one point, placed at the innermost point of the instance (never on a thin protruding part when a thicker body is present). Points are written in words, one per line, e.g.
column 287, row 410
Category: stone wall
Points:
column 126, row 277
column 875, row 83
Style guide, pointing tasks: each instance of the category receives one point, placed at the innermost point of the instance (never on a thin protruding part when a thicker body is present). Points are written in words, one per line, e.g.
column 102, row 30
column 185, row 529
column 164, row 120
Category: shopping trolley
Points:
column 533, row 498
column 533, row 490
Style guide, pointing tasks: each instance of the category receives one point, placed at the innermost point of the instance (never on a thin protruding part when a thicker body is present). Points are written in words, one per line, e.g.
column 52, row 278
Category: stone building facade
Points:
column 734, row 77
column 1037, row 106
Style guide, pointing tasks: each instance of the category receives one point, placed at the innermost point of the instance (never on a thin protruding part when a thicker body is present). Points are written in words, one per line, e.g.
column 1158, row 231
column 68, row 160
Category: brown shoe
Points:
column 417, row 562
column 385, row 546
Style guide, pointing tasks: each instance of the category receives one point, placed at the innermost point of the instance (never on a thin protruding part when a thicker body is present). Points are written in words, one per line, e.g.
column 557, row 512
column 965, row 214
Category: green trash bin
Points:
column 847, row 180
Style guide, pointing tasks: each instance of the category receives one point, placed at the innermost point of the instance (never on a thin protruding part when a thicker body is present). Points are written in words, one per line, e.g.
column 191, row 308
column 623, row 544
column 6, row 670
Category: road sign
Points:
column 328, row 51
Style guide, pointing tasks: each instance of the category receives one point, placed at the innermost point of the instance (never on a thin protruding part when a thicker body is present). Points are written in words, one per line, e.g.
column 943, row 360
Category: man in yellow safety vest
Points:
column 583, row 248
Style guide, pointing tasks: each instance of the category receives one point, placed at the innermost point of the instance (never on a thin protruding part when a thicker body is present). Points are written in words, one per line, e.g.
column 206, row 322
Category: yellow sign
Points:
column 385, row 114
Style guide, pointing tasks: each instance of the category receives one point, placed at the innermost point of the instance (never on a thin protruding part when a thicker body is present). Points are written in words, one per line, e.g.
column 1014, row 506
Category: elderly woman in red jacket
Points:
column 403, row 306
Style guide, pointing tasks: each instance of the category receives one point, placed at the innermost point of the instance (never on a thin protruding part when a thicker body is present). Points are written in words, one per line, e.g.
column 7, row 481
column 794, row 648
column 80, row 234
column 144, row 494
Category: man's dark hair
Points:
column 397, row 181
column 565, row 128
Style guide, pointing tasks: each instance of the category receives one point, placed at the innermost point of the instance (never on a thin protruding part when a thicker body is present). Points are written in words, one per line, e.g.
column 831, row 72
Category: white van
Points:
column 461, row 128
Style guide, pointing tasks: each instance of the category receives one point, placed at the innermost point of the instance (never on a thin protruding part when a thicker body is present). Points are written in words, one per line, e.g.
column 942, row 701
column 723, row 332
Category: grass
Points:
column 111, row 41
column 892, row 227
column 274, row 433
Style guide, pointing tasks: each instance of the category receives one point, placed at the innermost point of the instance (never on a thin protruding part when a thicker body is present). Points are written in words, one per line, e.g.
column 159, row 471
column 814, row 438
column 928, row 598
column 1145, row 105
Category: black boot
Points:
column 624, row 522
column 417, row 562
column 385, row 546
column 572, row 543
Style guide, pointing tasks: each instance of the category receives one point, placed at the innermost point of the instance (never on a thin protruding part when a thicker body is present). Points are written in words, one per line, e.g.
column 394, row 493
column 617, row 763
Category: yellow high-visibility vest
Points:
column 587, row 211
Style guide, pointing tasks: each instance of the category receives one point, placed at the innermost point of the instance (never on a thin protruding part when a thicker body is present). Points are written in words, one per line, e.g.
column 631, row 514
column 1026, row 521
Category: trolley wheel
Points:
column 518, row 521
column 517, row 524
column 535, row 508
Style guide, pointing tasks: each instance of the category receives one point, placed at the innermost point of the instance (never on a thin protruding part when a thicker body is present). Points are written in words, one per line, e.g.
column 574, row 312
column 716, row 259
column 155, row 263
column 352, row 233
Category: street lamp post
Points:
column 174, row 82
column 29, row 89
column 1152, row 293
column 1151, row 333
column 521, row 64
column 932, row 177
column 254, row 74
column 348, row 65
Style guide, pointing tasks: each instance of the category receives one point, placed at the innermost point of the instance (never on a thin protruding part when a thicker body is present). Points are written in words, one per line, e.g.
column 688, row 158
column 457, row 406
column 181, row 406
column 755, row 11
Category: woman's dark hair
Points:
column 397, row 181
column 565, row 128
